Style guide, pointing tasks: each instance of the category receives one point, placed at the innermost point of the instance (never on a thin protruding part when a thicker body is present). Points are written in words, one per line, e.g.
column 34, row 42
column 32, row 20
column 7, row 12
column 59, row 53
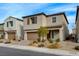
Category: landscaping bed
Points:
column 46, row 44
column 65, row 45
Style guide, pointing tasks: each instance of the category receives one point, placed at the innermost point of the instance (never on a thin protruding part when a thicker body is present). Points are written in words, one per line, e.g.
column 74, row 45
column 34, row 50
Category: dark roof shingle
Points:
column 62, row 13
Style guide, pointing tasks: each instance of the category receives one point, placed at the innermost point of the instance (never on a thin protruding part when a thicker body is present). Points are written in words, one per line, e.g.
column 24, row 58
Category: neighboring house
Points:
column 1, row 30
column 73, row 34
column 77, row 24
column 56, row 24
column 74, row 31
column 13, row 28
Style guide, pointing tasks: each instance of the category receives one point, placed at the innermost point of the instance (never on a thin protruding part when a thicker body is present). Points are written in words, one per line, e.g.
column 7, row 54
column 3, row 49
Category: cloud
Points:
column 71, row 18
column 19, row 10
column 15, row 6
column 61, row 9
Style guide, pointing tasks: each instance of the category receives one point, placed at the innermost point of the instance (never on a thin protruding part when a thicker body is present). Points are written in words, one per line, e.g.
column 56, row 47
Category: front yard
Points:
column 69, row 45
column 65, row 45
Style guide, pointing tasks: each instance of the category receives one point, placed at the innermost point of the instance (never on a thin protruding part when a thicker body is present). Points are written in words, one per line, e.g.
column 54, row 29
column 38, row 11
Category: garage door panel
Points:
column 32, row 36
column 11, row 36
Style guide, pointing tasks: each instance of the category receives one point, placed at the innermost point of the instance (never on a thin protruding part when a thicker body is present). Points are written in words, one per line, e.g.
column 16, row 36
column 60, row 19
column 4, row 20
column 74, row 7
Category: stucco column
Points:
column 25, row 35
column 6, row 36
column 78, row 38
column 61, row 34
column 50, row 34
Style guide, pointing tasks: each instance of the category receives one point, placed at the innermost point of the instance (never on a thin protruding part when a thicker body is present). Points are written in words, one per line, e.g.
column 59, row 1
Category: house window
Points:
column 34, row 20
column 54, row 19
column 28, row 21
column 7, row 24
column 11, row 23
column 52, row 34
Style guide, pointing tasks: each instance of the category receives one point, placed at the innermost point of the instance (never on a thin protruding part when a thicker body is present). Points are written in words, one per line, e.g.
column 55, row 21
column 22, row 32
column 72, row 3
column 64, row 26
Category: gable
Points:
column 9, row 19
column 59, row 14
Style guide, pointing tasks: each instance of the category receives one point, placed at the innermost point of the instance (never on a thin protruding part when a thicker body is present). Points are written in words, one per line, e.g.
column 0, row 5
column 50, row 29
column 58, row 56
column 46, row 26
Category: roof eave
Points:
column 77, row 14
column 34, row 15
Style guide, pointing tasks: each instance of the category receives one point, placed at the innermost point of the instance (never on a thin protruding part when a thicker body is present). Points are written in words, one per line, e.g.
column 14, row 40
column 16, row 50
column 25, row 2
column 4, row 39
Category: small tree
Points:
column 42, row 33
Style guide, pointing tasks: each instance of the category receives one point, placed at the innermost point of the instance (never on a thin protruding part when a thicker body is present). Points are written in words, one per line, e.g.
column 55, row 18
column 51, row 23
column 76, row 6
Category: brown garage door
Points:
column 11, row 36
column 32, row 36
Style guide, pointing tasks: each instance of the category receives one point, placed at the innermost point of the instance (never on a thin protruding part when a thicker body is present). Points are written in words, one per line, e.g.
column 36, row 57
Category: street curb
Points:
column 42, row 50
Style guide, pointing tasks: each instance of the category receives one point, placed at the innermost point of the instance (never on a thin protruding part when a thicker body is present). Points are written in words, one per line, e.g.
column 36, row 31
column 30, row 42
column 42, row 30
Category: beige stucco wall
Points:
column 40, row 22
column 19, row 27
column 1, row 31
column 60, row 20
column 77, row 27
column 45, row 21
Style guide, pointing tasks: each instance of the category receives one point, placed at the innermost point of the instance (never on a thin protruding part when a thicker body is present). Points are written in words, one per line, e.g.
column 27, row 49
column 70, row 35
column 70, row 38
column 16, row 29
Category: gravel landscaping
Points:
column 65, row 45
column 68, row 45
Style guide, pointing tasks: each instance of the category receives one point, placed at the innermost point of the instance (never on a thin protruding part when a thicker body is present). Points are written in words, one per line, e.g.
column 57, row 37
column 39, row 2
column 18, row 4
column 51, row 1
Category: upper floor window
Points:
column 11, row 23
column 7, row 24
column 54, row 19
column 34, row 20
column 28, row 21
column 31, row 20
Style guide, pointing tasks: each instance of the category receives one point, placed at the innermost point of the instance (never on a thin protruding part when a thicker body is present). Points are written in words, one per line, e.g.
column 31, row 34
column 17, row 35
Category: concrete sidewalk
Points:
column 43, row 50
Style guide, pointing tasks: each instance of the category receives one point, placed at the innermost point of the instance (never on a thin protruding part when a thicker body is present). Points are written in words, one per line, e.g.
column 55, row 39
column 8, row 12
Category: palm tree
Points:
column 42, row 33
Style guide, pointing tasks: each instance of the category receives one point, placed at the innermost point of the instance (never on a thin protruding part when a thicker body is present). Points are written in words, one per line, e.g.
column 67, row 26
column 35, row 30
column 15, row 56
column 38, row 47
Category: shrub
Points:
column 38, row 39
column 19, row 40
column 34, row 42
column 7, row 42
column 1, row 41
column 14, row 39
column 58, row 40
column 43, row 40
column 40, row 45
column 77, row 48
column 55, row 45
column 51, row 46
column 51, row 41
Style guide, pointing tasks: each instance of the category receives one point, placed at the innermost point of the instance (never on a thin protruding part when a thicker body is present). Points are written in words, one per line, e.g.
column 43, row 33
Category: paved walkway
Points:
column 43, row 50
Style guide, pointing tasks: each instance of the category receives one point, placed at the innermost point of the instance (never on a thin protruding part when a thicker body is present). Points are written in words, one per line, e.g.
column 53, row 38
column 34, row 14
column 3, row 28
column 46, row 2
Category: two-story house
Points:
column 1, row 30
column 13, row 28
column 77, row 24
column 56, row 24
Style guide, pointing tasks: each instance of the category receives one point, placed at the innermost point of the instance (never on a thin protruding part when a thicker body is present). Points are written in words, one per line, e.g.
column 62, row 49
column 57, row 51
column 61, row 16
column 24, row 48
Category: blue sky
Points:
column 22, row 9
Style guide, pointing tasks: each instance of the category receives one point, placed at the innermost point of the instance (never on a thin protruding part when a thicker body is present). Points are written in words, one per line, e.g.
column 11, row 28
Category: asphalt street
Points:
column 4, row 51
